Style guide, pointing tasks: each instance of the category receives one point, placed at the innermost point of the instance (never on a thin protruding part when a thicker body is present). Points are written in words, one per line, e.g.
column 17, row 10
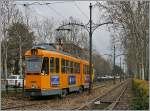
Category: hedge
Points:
column 141, row 94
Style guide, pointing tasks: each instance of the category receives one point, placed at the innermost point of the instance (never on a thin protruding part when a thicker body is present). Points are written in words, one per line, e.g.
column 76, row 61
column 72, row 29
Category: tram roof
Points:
column 51, row 47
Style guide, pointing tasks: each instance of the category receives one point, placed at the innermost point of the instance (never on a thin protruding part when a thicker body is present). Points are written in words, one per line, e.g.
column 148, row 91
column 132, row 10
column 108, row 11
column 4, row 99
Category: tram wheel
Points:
column 64, row 93
column 80, row 90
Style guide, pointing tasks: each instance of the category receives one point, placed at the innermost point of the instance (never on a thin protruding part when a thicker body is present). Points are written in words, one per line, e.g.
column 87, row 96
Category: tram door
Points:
column 54, row 72
column 45, row 66
column 45, row 73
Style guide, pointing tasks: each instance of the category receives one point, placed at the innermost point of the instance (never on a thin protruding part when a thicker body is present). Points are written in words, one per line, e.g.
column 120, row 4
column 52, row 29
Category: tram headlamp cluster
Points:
column 34, row 86
column 43, row 73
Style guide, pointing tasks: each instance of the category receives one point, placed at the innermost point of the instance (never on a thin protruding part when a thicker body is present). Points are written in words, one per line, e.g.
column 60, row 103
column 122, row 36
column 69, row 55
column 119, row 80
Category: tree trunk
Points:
column 5, row 62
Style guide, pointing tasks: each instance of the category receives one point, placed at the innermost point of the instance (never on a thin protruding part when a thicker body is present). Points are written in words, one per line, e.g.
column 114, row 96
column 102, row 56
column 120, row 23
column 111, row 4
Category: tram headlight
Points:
column 34, row 86
column 43, row 73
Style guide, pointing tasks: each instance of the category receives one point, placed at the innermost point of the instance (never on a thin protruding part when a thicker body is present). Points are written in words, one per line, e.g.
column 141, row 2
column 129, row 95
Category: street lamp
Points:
column 90, row 27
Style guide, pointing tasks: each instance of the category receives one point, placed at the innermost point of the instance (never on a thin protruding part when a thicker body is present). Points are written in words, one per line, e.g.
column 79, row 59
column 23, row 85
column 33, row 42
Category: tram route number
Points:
column 54, row 80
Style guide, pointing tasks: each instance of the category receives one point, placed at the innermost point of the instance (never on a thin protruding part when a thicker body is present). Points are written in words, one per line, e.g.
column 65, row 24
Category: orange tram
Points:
column 48, row 72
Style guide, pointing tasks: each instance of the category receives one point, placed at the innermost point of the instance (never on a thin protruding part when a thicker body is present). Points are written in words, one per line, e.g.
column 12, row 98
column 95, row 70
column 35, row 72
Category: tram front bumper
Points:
column 39, row 92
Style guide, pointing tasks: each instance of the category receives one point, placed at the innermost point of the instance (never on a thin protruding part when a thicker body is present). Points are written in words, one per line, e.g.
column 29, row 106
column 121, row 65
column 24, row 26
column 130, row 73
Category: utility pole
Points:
column 114, row 81
column 90, row 49
column 120, row 70
column 124, row 71
column 20, row 56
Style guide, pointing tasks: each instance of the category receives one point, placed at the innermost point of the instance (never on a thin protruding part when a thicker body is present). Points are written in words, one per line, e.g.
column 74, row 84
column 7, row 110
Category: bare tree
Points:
column 9, row 14
column 101, row 65
column 6, row 14
column 77, row 35
column 44, row 30
column 131, row 24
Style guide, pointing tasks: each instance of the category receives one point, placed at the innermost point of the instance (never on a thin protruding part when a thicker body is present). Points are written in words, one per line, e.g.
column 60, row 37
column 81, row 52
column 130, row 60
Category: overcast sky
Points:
column 78, row 10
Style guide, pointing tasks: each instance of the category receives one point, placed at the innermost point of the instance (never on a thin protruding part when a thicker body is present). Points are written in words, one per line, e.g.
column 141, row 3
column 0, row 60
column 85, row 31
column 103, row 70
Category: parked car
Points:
column 117, row 77
column 15, row 81
column 110, row 77
column 104, row 77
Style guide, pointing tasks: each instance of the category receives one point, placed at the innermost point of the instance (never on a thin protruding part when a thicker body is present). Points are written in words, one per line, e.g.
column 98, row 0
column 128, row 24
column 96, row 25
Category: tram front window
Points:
column 33, row 65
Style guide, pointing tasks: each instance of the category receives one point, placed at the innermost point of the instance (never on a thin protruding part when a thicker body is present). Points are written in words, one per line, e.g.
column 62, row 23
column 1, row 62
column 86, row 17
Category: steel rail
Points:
column 86, row 105
column 99, row 86
column 113, row 105
column 19, row 106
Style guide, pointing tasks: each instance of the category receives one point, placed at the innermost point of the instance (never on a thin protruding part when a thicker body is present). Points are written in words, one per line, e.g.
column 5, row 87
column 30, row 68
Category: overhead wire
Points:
column 59, row 14
column 81, row 11
column 39, row 13
column 48, row 4
column 34, row 11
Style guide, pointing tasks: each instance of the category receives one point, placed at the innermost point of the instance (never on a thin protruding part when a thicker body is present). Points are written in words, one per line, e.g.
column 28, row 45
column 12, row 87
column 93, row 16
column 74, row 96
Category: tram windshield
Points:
column 33, row 65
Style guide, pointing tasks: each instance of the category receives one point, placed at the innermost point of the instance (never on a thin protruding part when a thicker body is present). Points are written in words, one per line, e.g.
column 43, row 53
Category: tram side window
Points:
column 88, row 70
column 71, row 66
column 62, row 65
column 45, row 65
column 57, row 65
column 52, row 67
column 78, row 68
column 74, row 67
column 83, row 69
column 67, row 66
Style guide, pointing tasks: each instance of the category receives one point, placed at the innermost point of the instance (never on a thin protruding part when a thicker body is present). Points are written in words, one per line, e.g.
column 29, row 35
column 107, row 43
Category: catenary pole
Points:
column 114, row 81
column 90, row 27
column 120, row 70
column 90, row 49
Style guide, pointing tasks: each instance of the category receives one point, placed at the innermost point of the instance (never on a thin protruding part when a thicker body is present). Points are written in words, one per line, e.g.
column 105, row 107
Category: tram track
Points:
column 113, row 105
column 88, row 105
column 125, row 101
column 20, row 106
column 35, row 104
column 26, row 103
